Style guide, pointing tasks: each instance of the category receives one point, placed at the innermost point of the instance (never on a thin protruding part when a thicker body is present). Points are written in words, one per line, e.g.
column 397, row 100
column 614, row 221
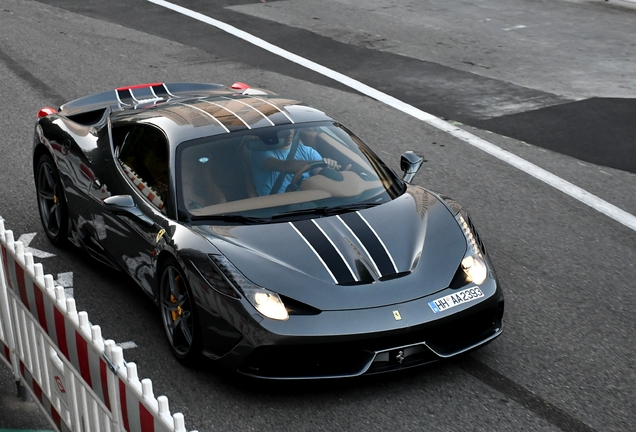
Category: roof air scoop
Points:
column 141, row 94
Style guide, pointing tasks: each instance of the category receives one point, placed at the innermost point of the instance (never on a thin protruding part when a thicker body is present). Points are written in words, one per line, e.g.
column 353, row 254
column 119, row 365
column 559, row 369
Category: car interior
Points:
column 216, row 176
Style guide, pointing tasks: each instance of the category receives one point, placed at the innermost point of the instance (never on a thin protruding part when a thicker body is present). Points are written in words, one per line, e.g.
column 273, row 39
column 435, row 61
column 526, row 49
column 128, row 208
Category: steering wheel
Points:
column 310, row 165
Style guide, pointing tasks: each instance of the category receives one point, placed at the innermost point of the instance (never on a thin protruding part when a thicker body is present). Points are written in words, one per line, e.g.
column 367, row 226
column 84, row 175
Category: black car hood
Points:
column 399, row 251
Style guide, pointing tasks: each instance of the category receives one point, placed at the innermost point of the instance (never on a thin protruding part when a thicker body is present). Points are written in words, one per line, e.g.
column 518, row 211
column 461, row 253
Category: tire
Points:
column 51, row 201
column 178, row 314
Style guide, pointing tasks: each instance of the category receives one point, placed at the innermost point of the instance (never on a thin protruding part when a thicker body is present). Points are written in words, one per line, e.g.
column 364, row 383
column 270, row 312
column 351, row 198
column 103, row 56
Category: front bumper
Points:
column 350, row 343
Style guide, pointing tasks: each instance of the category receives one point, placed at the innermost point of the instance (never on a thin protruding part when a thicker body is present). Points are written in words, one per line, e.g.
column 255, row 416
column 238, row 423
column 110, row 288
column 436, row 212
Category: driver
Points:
column 268, row 165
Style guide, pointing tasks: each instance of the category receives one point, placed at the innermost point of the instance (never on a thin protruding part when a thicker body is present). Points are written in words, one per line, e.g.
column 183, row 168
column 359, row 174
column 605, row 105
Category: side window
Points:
column 144, row 158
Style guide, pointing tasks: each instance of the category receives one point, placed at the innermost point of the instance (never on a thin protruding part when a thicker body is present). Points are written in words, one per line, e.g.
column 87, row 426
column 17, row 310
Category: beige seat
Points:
column 198, row 186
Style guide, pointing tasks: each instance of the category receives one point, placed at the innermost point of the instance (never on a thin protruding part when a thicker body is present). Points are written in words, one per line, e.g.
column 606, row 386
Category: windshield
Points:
column 280, row 173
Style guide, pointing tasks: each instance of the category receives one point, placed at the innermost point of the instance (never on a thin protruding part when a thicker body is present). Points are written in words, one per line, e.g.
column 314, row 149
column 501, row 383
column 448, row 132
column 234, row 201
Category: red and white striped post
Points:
column 81, row 381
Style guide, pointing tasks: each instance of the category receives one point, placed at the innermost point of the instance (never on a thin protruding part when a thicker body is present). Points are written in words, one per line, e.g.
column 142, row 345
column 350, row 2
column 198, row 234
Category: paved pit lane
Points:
column 565, row 360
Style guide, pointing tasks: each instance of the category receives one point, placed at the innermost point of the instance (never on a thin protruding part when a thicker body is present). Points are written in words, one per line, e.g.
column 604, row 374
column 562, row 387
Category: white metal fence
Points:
column 81, row 381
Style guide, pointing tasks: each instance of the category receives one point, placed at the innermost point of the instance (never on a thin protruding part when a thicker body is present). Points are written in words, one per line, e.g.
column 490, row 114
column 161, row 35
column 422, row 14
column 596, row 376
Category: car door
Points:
column 139, row 170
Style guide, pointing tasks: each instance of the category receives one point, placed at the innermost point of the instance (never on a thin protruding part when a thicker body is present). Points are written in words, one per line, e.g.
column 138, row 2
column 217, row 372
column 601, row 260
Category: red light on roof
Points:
column 132, row 87
column 239, row 86
column 46, row 111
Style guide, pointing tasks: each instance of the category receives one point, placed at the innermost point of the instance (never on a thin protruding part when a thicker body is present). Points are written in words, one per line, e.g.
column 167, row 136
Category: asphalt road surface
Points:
column 552, row 82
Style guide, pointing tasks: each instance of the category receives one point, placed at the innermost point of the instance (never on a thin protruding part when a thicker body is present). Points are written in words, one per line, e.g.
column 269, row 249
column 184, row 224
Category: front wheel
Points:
column 178, row 314
column 51, row 203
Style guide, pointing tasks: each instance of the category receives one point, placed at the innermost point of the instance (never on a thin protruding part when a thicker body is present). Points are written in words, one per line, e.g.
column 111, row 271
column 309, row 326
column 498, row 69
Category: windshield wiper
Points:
column 352, row 207
column 326, row 211
column 231, row 218
column 322, row 211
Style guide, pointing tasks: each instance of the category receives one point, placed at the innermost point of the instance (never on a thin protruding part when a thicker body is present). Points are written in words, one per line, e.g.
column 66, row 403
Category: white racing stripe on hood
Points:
column 315, row 253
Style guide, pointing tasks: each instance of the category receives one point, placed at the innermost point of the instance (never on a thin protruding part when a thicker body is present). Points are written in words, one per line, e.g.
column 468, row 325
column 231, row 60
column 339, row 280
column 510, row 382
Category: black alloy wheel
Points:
column 51, row 201
column 177, row 313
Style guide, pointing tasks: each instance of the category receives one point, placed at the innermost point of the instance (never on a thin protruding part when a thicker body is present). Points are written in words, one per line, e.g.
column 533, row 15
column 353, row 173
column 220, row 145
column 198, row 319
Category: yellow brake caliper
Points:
column 176, row 314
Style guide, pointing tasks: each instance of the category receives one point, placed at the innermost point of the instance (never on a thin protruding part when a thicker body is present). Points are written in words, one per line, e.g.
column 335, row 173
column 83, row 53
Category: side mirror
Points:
column 124, row 205
column 410, row 164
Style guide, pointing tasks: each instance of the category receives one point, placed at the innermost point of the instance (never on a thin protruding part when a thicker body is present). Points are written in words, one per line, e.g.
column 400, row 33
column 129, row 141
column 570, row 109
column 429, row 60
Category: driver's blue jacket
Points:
column 264, row 179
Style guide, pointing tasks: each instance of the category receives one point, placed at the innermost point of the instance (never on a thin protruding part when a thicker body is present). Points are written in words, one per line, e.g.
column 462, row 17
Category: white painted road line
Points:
column 539, row 173
column 127, row 345
column 65, row 280
column 26, row 240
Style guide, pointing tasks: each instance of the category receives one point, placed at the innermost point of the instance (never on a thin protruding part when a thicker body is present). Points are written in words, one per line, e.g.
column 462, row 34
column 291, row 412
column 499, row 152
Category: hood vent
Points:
column 395, row 276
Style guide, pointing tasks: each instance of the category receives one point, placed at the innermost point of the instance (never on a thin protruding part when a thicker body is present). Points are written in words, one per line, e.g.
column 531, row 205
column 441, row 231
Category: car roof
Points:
column 186, row 119
column 187, row 111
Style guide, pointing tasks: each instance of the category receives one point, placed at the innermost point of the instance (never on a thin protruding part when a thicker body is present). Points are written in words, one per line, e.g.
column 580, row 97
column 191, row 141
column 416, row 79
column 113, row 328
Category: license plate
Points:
column 455, row 299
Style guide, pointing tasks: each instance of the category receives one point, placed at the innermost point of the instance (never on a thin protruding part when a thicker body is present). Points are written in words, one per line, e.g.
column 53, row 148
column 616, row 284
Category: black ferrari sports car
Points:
column 272, row 239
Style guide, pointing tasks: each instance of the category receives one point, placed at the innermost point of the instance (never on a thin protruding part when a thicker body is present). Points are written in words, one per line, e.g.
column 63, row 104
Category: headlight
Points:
column 266, row 302
column 475, row 268
column 473, row 263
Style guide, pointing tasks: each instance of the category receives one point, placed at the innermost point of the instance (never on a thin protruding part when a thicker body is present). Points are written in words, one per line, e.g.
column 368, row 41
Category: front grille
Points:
column 307, row 361
column 402, row 359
